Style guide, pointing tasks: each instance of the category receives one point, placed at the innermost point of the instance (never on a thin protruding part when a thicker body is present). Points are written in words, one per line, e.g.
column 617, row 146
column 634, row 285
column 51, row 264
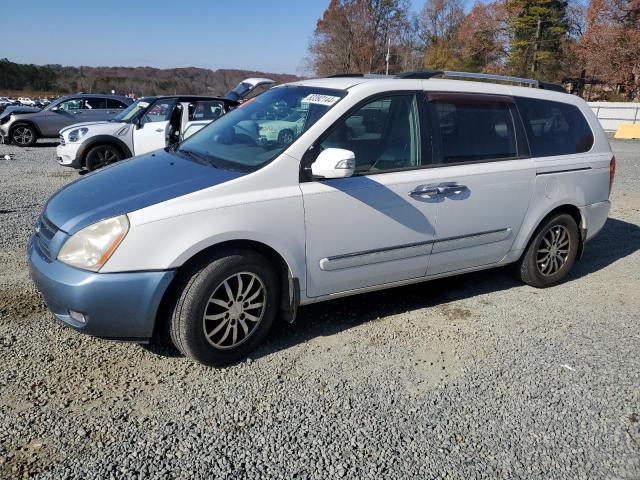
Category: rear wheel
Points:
column 101, row 156
column 23, row 135
column 225, row 308
column 551, row 252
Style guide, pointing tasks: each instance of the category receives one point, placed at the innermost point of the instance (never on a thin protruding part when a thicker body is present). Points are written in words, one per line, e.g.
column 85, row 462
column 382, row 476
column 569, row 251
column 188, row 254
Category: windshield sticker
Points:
column 318, row 99
column 143, row 104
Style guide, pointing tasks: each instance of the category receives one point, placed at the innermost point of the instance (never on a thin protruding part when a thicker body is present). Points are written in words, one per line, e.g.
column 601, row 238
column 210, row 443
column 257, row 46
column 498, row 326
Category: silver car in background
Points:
column 24, row 128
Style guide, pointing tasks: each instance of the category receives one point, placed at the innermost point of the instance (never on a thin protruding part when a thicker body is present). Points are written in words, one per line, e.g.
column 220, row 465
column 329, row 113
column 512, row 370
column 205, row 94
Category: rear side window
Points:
column 113, row 103
column 473, row 128
column 554, row 128
column 95, row 103
column 205, row 110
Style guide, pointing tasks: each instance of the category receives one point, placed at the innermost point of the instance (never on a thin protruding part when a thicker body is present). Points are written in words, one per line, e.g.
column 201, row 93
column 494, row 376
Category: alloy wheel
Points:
column 234, row 310
column 104, row 157
column 22, row 135
column 553, row 250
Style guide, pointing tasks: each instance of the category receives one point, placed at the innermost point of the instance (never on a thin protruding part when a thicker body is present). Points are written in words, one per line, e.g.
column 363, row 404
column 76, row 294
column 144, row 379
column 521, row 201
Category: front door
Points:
column 150, row 134
column 485, row 178
column 62, row 115
column 378, row 226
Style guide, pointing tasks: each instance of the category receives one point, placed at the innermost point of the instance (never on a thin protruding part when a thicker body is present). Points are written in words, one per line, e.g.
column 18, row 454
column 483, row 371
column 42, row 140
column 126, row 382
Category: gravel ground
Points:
column 475, row 376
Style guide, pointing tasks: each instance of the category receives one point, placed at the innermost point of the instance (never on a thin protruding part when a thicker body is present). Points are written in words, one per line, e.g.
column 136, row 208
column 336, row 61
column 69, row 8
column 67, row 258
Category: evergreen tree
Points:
column 537, row 28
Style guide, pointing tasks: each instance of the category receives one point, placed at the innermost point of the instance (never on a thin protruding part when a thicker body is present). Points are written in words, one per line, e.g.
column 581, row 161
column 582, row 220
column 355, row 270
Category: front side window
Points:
column 160, row 111
column 71, row 104
column 384, row 134
column 95, row 103
column 260, row 129
column 554, row 128
column 473, row 128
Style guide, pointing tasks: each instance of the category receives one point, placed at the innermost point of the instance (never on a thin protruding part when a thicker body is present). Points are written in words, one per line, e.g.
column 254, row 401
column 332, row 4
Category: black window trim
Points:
column 425, row 144
column 521, row 139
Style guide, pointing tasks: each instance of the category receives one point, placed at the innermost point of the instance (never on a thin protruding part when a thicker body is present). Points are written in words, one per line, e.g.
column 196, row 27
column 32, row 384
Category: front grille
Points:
column 61, row 138
column 45, row 230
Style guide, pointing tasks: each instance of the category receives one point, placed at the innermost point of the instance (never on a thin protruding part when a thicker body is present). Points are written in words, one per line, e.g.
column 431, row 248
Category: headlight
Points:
column 77, row 134
column 92, row 246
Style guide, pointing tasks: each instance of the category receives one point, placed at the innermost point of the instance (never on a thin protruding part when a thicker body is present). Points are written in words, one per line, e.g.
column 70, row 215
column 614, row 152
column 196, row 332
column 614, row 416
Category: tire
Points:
column 23, row 135
column 202, row 293
column 285, row 137
column 551, row 252
column 101, row 156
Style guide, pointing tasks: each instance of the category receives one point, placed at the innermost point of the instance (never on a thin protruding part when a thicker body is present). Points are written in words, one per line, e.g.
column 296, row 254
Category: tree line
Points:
column 593, row 49
column 58, row 79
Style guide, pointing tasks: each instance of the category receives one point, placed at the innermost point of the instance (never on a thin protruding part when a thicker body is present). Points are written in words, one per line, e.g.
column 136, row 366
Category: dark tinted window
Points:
column 113, row 103
column 384, row 135
column 205, row 110
column 95, row 103
column 473, row 128
column 554, row 128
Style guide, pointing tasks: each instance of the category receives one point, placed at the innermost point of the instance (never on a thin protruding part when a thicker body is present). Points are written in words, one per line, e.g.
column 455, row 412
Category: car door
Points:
column 62, row 115
column 485, row 177
column 200, row 114
column 150, row 133
column 377, row 226
column 95, row 109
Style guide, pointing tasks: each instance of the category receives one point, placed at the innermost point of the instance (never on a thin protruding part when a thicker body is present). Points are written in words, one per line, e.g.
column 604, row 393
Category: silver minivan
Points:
column 382, row 182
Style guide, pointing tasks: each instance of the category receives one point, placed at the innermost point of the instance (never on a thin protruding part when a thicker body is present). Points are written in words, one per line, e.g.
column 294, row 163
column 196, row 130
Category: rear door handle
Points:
column 159, row 129
column 452, row 189
column 425, row 191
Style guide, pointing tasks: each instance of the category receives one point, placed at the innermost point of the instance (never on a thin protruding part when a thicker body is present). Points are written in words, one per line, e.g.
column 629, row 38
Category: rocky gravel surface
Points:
column 476, row 376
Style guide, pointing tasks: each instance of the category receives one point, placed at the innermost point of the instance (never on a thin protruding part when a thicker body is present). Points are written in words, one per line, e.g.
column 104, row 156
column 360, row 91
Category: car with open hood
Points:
column 148, row 124
column 389, row 181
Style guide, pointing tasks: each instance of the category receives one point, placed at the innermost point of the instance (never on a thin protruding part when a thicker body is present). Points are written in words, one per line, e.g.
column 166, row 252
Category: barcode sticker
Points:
column 318, row 99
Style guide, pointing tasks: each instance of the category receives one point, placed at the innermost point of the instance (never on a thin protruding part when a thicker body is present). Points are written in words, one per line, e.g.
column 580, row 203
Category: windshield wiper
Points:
column 198, row 157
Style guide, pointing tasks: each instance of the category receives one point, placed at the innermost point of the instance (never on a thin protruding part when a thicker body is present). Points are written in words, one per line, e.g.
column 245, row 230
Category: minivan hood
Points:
column 130, row 185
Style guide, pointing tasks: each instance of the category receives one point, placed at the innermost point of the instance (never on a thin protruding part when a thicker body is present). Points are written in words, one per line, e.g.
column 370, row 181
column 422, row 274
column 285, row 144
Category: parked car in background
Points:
column 23, row 129
column 26, row 101
column 148, row 124
column 391, row 181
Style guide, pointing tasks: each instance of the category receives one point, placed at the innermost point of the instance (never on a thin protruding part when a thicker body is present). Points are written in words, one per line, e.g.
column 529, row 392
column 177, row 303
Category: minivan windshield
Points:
column 131, row 111
column 247, row 138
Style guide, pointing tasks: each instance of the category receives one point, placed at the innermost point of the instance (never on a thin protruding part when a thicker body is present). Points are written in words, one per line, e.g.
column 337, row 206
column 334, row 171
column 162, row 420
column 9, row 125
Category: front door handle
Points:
column 452, row 189
column 159, row 129
column 425, row 191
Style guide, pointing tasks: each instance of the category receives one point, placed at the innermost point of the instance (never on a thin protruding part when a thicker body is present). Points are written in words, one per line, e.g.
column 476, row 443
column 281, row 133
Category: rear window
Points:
column 554, row 128
column 113, row 103
column 473, row 128
column 95, row 103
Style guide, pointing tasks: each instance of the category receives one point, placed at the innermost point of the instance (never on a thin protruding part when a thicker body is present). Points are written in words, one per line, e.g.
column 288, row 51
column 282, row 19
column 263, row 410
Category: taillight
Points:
column 612, row 172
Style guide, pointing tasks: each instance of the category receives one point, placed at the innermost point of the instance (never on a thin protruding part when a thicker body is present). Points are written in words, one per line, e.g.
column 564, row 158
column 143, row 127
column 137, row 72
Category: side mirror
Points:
column 334, row 163
column 138, row 123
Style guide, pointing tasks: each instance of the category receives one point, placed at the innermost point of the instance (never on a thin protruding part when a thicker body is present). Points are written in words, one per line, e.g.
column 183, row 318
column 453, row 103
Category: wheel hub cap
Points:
column 234, row 310
column 553, row 250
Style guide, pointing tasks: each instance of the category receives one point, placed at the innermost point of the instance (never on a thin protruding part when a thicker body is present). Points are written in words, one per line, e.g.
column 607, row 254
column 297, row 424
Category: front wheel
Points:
column 224, row 309
column 23, row 135
column 101, row 156
column 551, row 252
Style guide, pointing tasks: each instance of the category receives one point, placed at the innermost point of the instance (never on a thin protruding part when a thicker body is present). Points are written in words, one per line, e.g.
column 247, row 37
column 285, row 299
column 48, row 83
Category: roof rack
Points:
column 426, row 74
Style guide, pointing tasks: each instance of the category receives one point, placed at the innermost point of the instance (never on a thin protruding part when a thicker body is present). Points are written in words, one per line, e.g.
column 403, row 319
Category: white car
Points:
column 27, row 102
column 151, row 123
column 389, row 181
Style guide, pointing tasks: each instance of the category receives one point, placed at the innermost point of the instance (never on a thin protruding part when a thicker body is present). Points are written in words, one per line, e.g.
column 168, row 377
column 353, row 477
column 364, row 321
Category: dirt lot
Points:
column 476, row 376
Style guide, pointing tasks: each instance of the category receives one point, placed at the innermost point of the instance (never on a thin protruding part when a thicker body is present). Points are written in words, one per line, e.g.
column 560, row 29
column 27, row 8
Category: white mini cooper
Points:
column 389, row 181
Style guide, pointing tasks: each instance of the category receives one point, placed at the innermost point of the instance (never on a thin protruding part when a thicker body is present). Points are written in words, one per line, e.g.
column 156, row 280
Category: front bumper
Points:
column 67, row 155
column 120, row 306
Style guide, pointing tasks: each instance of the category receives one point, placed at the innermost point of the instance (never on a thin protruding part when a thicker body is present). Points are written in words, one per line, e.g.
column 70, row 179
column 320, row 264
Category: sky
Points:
column 266, row 35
